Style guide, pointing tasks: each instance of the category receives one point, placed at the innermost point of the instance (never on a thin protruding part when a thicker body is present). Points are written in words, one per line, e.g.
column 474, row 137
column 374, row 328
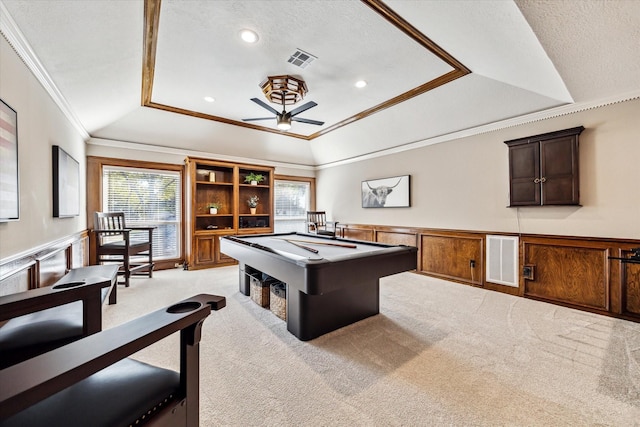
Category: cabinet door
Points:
column 524, row 169
column 358, row 234
column 559, row 171
column 631, row 289
column 205, row 250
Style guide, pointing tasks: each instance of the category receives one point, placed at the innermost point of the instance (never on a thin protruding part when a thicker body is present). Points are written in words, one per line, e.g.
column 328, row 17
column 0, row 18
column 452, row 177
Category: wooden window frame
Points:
column 95, row 167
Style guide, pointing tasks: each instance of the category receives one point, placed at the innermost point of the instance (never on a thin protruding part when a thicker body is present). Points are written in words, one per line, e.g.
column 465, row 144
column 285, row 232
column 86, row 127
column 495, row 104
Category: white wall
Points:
column 41, row 124
column 463, row 184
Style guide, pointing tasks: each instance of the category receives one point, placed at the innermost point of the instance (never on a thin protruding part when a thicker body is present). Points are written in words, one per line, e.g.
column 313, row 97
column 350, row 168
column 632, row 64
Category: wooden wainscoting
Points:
column 453, row 256
column 44, row 265
column 51, row 266
column 393, row 236
column 567, row 271
column 356, row 232
column 630, row 289
column 571, row 271
column 17, row 276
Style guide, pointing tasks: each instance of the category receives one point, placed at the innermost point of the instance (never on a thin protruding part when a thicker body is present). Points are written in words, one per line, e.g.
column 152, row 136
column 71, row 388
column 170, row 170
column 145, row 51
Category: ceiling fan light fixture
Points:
column 249, row 36
column 284, row 123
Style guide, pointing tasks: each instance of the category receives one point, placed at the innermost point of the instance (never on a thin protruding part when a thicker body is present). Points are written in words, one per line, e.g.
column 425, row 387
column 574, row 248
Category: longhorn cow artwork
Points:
column 386, row 192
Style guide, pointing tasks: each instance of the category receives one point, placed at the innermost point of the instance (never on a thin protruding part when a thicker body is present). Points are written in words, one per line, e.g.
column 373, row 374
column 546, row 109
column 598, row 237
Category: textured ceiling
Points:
column 524, row 57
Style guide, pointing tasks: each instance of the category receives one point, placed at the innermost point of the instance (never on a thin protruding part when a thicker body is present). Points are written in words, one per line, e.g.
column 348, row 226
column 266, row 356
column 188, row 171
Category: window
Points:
column 292, row 200
column 147, row 197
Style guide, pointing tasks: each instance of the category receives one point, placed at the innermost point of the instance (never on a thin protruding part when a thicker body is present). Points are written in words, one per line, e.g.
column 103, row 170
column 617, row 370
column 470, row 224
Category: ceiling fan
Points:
column 285, row 118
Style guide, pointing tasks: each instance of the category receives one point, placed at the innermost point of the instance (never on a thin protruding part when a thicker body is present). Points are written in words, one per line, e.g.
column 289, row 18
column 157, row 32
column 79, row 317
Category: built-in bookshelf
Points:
column 219, row 195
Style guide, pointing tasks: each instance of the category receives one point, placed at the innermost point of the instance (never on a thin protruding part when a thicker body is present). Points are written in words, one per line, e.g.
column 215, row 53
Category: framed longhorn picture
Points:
column 386, row 192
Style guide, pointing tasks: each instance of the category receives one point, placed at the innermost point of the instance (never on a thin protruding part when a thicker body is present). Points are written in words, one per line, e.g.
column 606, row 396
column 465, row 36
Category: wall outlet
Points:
column 528, row 272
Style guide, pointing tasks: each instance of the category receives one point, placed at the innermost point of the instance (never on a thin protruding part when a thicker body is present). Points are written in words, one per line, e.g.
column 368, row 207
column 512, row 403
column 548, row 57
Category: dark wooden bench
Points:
column 42, row 319
column 92, row 382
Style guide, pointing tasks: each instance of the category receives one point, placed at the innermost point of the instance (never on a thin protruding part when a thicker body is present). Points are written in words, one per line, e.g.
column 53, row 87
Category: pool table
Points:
column 330, row 282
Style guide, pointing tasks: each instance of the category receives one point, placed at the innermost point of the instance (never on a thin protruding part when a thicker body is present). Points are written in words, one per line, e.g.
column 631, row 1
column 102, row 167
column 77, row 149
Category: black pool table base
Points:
column 310, row 316
column 336, row 286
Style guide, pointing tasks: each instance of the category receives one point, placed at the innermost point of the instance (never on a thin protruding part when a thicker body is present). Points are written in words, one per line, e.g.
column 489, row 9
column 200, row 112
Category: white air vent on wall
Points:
column 502, row 260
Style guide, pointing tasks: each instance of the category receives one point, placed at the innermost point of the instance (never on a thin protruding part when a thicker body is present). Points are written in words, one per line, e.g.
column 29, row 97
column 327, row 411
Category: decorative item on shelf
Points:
column 212, row 176
column 254, row 178
column 213, row 208
column 253, row 203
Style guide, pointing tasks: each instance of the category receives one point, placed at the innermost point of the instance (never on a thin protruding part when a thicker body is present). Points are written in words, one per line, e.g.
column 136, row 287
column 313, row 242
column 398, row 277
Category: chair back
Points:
column 319, row 218
column 110, row 221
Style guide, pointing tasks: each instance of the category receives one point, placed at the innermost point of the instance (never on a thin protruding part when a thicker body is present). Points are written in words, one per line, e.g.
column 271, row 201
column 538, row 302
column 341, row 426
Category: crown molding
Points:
column 112, row 143
column 18, row 42
column 562, row 110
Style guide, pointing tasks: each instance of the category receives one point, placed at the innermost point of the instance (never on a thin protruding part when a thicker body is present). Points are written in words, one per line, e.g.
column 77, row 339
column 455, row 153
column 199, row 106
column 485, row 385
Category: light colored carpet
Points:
column 439, row 353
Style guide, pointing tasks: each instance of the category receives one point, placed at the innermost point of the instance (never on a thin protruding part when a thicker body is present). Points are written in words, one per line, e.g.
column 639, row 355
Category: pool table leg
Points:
column 309, row 316
column 245, row 285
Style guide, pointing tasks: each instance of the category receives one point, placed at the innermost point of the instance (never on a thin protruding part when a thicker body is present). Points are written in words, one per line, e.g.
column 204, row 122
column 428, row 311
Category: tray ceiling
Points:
column 138, row 71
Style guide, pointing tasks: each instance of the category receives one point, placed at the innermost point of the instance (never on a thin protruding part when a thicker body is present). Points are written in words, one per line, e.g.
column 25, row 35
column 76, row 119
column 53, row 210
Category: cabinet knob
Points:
column 543, row 179
column 537, row 180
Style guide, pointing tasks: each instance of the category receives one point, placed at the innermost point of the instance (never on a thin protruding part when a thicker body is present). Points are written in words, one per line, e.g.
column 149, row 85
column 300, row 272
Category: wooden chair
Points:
column 317, row 224
column 93, row 382
column 40, row 320
column 115, row 242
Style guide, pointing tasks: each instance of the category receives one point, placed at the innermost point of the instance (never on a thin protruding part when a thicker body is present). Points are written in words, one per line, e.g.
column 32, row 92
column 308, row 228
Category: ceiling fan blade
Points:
column 258, row 118
column 265, row 105
column 309, row 121
column 302, row 108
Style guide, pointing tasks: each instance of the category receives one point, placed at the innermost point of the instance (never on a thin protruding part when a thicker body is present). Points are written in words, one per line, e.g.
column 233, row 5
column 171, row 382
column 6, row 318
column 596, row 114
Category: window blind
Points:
column 292, row 201
column 148, row 198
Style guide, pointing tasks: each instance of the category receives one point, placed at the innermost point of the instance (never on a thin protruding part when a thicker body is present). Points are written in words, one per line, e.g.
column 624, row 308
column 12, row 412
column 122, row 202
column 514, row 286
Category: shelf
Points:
column 254, row 230
column 231, row 192
column 215, row 183
column 215, row 231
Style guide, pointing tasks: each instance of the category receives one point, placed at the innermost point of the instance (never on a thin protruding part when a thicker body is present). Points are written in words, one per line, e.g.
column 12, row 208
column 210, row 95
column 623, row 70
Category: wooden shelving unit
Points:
column 223, row 183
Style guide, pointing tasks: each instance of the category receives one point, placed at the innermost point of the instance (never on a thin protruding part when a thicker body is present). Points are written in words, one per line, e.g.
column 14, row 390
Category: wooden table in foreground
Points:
column 327, row 290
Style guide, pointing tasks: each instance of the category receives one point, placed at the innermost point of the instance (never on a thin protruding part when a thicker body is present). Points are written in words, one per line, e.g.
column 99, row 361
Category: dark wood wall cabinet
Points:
column 219, row 195
column 543, row 169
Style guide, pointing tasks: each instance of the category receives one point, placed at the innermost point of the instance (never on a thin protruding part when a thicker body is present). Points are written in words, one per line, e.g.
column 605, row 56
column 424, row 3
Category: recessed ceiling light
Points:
column 361, row 84
column 249, row 36
column 209, row 99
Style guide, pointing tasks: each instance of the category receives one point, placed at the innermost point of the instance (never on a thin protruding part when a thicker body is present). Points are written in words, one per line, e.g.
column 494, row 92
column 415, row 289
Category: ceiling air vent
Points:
column 302, row 59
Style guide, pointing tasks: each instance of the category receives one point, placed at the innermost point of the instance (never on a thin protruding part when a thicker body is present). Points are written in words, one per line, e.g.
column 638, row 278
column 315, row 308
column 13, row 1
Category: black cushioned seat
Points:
column 106, row 398
column 92, row 382
column 35, row 333
column 55, row 326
